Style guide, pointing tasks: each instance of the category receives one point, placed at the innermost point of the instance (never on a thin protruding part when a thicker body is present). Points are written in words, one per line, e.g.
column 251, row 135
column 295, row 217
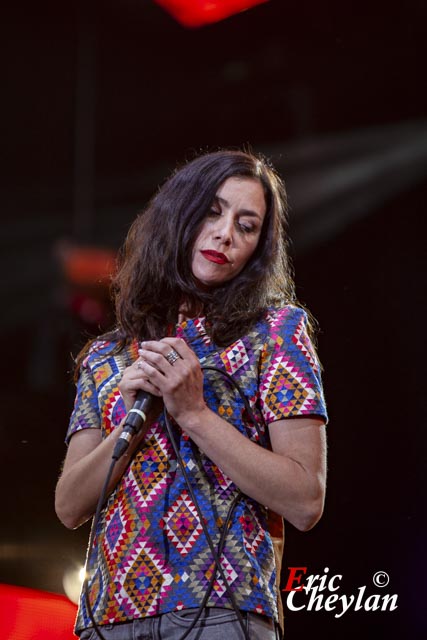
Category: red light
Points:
column 87, row 265
column 28, row 614
column 195, row 13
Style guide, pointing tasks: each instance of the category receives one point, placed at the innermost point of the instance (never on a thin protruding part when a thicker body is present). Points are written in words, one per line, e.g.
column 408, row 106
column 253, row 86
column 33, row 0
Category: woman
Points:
column 203, row 292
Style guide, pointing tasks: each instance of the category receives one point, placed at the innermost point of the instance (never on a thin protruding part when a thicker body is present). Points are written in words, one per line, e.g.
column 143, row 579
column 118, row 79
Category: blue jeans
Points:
column 214, row 624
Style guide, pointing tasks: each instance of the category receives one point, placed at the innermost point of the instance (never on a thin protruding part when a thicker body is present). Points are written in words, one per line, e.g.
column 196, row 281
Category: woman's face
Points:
column 230, row 232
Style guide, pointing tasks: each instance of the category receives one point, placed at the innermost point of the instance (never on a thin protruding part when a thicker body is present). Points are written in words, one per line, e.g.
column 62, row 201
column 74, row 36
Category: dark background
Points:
column 100, row 101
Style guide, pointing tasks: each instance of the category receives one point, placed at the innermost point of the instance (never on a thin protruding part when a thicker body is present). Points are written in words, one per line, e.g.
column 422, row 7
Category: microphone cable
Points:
column 96, row 518
column 134, row 422
column 214, row 552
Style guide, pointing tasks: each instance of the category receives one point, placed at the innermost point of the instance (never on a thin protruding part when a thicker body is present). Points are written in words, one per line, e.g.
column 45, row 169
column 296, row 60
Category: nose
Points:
column 223, row 230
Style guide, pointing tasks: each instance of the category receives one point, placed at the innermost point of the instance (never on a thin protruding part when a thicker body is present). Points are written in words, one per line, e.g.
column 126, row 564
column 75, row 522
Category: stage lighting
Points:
column 72, row 582
column 195, row 13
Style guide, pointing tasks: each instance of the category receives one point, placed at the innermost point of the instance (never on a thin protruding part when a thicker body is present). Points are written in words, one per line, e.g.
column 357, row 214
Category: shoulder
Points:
column 99, row 350
column 289, row 328
column 277, row 325
column 108, row 350
column 282, row 321
column 289, row 314
column 291, row 333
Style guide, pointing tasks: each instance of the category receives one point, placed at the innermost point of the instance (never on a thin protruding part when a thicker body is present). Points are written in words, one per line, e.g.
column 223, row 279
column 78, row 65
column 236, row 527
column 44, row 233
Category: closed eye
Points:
column 246, row 228
column 248, row 223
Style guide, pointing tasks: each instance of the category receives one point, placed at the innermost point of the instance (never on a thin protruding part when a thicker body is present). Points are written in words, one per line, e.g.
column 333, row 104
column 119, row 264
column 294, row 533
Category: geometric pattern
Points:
column 150, row 554
column 253, row 533
column 301, row 341
column 144, row 575
column 234, row 357
column 218, row 586
column 181, row 524
column 201, row 571
column 149, row 479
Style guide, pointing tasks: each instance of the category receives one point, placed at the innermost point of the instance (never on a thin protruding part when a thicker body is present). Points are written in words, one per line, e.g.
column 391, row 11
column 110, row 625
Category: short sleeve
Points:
column 290, row 377
column 86, row 414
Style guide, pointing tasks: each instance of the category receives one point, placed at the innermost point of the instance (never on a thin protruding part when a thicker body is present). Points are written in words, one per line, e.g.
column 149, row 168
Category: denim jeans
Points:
column 214, row 624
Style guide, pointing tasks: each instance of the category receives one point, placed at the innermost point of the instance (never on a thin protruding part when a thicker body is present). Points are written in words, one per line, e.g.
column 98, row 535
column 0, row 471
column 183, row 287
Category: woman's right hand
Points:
column 89, row 457
column 133, row 380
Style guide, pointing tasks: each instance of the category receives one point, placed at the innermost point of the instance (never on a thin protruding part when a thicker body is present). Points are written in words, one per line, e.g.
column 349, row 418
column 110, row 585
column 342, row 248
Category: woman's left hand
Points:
column 174, row 373
column 289, row 479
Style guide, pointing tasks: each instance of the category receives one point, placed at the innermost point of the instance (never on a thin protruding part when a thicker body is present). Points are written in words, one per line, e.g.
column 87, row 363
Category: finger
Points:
column 165, row 345
column 150, row 376
column 162, row 356
column 151, row 388
column 138, row 384
column 132, row 375
column 136, row 377
column 179, row 345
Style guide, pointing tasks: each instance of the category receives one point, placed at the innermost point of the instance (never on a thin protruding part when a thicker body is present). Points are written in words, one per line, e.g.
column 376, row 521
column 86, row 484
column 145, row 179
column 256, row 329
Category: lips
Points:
column 214, row 256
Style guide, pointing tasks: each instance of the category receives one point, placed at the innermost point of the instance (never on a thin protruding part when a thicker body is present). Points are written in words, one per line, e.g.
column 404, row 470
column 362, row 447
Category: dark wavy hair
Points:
column 155, row 278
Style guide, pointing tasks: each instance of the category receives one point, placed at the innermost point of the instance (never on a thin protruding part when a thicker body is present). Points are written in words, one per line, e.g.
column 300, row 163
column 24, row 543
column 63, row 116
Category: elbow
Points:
column 69, row 523
column 66, row 518
column 309, row 516
column 70, row 520
column 310, row 508
column 66, row 515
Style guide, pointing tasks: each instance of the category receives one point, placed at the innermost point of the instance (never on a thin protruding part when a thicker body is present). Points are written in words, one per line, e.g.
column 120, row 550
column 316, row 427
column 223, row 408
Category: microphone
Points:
column 134, row 421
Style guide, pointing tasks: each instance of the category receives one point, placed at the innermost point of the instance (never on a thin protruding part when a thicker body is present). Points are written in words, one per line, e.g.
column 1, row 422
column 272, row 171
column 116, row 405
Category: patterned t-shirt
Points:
column 150, row 553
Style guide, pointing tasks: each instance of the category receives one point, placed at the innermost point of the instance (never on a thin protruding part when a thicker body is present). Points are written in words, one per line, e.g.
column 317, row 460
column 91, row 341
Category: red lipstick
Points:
column 214, row 256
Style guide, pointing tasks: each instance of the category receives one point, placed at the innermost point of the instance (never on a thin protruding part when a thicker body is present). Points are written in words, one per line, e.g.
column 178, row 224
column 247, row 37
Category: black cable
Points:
column 221, row 543
column 220, row 548
column 100, row 505
column 216, row 553
column 213, row 551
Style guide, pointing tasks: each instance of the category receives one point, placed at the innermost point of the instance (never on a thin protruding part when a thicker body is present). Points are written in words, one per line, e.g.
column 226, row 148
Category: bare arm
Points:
column 83, row 475
column 290, row 479
column 88, row 460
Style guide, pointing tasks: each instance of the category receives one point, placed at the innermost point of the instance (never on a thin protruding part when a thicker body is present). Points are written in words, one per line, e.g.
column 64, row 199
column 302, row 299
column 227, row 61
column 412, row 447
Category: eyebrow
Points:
column 245, row 212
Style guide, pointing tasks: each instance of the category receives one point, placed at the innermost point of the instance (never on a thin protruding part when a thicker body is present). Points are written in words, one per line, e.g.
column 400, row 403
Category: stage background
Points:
column 100, row 101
